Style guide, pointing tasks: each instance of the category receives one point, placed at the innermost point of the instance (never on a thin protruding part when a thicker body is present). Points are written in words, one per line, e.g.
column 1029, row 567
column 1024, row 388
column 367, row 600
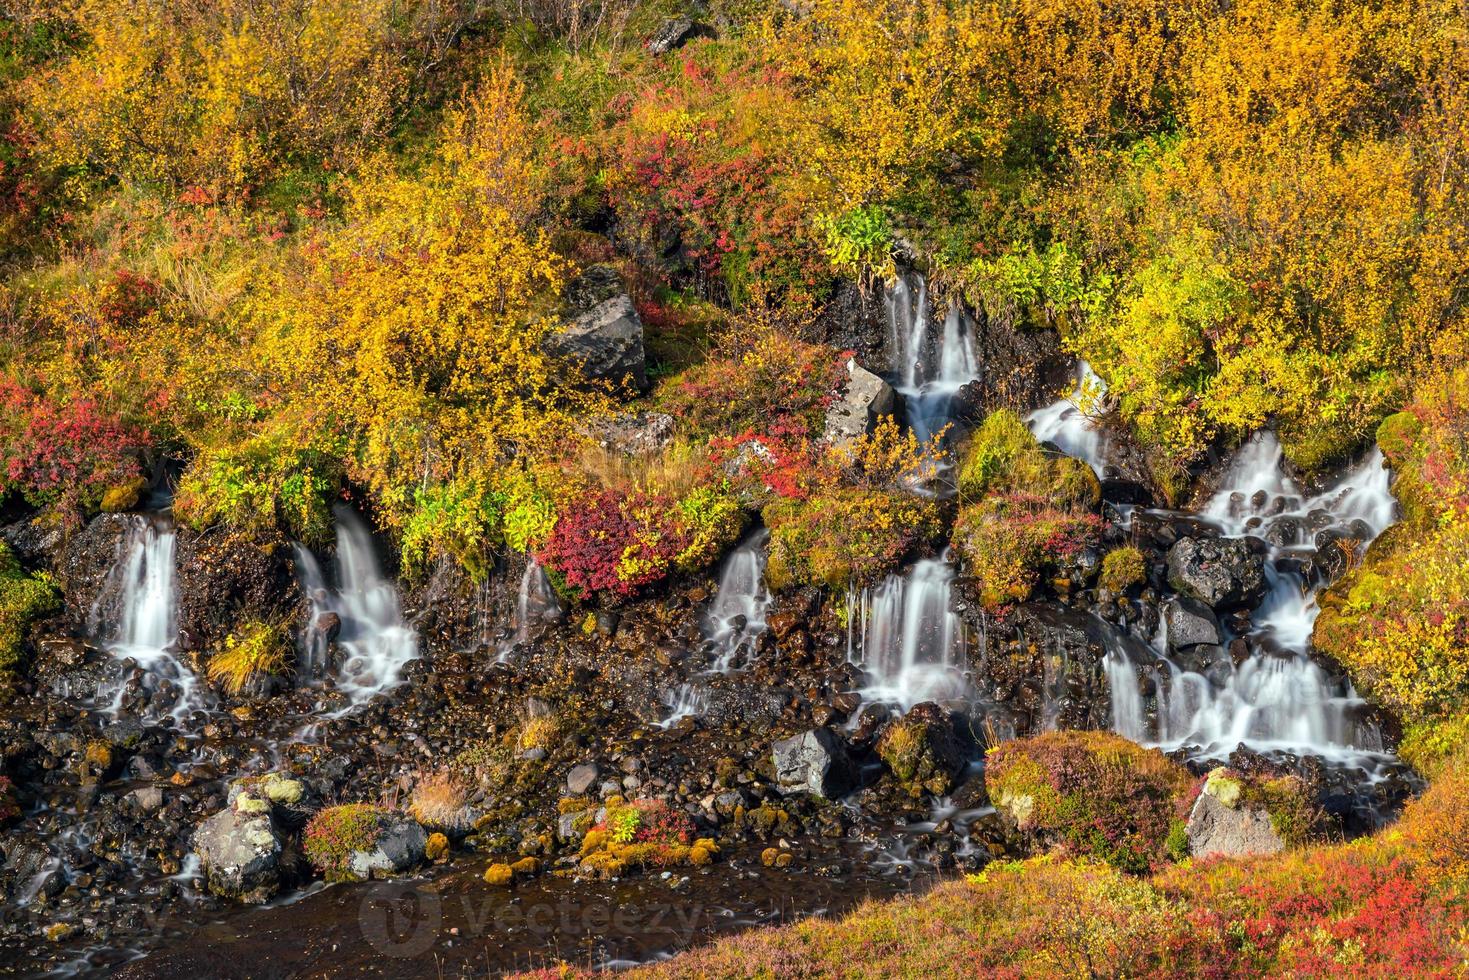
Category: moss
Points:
column 499, row 874
column 336, row 832
column 23, row 600
column 1003, row 457
column 124, row 496
column 904, row 748
column 526, row 866
column 437, row 847
column 1225, row 787
column 1398, row 436
column 1123, row 568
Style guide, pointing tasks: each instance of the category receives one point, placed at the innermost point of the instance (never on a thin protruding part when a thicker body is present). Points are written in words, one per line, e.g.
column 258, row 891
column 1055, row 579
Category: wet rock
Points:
column 1222, row 573
column 815, row 762
column 226, row 577
column 240, row 851
column 921, row 751
column 1190, row 623
column 581, row 779
column 856, row 320
column 398, row 846
column 38, row 543
column 147, row 799
column 85, row 565
column 602, row 331
column 867, row 398
column 1221, row 823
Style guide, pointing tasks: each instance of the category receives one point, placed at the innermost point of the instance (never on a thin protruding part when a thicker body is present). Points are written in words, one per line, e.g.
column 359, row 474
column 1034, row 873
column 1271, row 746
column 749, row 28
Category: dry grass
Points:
column 256, row 651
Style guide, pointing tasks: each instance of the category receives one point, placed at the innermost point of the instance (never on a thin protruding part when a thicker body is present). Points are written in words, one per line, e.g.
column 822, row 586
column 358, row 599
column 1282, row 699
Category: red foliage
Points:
column 615, row 541
column 49, row 451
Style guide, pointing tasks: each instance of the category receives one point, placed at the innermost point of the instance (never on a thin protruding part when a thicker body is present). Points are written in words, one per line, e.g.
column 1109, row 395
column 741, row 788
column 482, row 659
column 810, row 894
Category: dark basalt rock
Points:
column 814, row 762
column 86, row 564
column 1190, row 623
column 602, row 331
column 1222, row 573
column 226, row 577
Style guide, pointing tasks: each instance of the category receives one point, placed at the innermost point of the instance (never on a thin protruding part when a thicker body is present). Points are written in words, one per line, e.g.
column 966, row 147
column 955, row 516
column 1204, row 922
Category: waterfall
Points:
column 736, row 618
column 377, row 642
column 911, row 643
column 685, row 701
column 1063, row 423
column 146, row 631
column 1128, row 718
column 535, row 603
column 1277, row 698
column 930, row 366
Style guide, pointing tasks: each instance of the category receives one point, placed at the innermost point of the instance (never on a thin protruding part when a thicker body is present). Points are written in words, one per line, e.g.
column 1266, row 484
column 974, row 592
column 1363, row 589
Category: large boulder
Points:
column 358, row 841
column 866, row 399
column 1222, row 573
column 399, row 847
column 1190, row 623
column 921, row 750
column 1223, row 823
column 815, row 762
column 602, row 330
column 240, row 851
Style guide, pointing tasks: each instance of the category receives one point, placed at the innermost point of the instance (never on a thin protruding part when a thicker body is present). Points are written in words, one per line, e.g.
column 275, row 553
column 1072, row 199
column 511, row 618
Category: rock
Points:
column 581, row 779
column 399, row 846
column 635, row 433
column 921, row 751
column 1222, row 573
column 866, row 399
column 674, row 33
column 602, row 331
column 228, row 576
column 147, row 798
column 1190, row 623
column 240, row 851
column 1220, row 824
column 815, row 762
column 84, row 571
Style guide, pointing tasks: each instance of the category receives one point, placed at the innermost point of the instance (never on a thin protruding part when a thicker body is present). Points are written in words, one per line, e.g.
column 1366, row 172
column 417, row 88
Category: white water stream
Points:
column 1065, row 423
column 736, row 618
column 535, row 603
column 907, row 637
column 932, row 363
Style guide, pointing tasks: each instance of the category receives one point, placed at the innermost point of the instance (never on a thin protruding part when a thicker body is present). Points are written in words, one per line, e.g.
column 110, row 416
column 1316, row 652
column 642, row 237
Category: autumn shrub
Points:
column 1003, row 457
column 249, row 654
column 260, row 484
column 845, row 538
column 1094, row 793
column 623, row 541
column 1123, row 568
column 1009, row 543
column 23, row 600
column 333, row 834
column 441, row 802
column 642, row 834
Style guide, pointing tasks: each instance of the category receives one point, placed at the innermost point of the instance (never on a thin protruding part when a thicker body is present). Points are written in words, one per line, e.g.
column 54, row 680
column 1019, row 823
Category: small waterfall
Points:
column 536, row 603
column 365, row 610
column 685, row 701
column 1128, row 717
column 1064, row 424
column 930, row 366
column 1277, row 697
column 146, row 631
column 911, row 643
column 736, row 617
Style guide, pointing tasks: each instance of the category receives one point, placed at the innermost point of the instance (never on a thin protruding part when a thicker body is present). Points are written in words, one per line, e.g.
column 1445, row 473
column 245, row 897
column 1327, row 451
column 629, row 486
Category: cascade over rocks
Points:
column 602, row 330
column 1222, row 573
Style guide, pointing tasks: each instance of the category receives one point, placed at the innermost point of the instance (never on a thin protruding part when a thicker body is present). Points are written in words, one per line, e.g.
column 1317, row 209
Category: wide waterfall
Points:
column 1277, row 697
column 907, row 637
column 369, row 616
column 146, row 628
column 930, row 365
column 736, row 618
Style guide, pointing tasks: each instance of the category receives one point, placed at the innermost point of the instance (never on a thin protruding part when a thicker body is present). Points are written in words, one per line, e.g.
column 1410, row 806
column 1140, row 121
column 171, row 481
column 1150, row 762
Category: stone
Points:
column 399, row 846
column 146, row 798
column 921, row 750
column 815, row 762
column 1222, row 573
column 1217, row 826
column 581, row 779
column 867, row 398
column 602, row 330
column 635, row 433
column 240, row 851
column 1190, row 623
column 674, row 33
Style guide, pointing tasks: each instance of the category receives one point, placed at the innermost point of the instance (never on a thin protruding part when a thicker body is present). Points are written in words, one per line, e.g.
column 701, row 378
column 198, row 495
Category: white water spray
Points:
column 146, row 630
column 1067, row 426
column 931, row 365
column 535, row 603
column 736, row 617
column 907, row 637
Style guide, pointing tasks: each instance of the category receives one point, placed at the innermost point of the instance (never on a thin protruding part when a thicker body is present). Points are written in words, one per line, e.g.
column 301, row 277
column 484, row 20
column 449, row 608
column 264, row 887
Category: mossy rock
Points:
column 24, row 599
column 1123, row 568
column 1003, row 457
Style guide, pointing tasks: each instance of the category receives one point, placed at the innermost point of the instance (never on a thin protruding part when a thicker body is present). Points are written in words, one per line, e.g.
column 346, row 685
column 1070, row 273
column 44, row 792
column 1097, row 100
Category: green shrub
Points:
column 845, row 538
column 1123, row 568
column 334, row 833
column 1003, row 457
column 23, row 600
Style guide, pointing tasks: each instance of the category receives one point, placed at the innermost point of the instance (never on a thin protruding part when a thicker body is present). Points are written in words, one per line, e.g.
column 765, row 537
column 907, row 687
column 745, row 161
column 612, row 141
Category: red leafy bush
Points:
column 70, row 451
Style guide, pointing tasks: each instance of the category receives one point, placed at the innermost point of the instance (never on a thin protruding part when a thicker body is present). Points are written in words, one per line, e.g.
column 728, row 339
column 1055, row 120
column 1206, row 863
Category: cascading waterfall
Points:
column 146, row 631
column 1277, row 698
column 1065, row 425
column 535, row 603
column 931, row 366
column 372, row 632
column 736, row 617
column 907, row 637
column 685, row 701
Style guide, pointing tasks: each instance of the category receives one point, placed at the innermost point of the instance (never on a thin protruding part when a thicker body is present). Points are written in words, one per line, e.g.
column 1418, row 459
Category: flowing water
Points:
column 536, row 603
column 736, row 618
column 1066, row 424
column 932, row 361
column 146, row 628
column 907, row 637
column 1277, row 698
column 378, row 643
